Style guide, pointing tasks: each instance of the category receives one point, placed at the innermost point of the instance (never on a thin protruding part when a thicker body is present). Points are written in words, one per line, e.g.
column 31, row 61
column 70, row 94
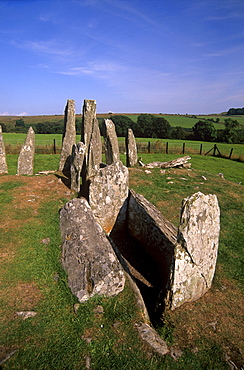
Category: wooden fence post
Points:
column 183, row 148
column 54, row 146
column 230, row 153
column 214, row 150
column 149, row 147
column 167, row 148
column 200, row 149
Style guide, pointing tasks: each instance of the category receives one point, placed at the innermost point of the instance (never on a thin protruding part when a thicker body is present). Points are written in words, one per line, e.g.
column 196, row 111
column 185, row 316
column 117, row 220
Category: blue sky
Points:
column 131, row 56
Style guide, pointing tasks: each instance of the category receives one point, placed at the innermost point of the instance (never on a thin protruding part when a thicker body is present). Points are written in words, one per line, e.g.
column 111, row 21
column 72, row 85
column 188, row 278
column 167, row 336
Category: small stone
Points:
column 87, row 339
column 98, row 309
column 26, row 314
column 162, row 172
column 76, row 307
column 148, row 172
column 170, row 182
column 204, row 178
column 46, row 241
column 176, row 353
column 221, row 175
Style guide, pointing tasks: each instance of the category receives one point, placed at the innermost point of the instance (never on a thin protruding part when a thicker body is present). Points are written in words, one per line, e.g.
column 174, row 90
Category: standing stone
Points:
column 108, row 192
column 88, row 115
column 26, row 156
column 3, row 162
column 69, row 137
column 87, row 256
column 94, row 155
column 131, row 149
column 76, row 165
column 110, row 142
column 196, row 249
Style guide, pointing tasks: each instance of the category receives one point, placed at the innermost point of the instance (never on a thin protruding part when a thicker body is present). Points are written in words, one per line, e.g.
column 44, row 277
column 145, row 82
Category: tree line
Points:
column 148, row 126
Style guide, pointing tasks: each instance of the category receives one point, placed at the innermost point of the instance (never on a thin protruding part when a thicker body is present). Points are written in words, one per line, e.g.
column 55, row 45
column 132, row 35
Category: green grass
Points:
column 56, row 338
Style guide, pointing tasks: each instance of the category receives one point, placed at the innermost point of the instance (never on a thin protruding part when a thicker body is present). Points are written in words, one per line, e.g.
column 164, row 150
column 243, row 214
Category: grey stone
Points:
column 26, row 156
column 94, row 155
column 197, row 248
column 108, row 192
column 178, row 162
column 69, row 137
column 88, row 115
column 78, row 156
column 3, row 162
column 87, row 256
column 131, row 149
column 149, row 335
column 156, row 236
column 110, row 142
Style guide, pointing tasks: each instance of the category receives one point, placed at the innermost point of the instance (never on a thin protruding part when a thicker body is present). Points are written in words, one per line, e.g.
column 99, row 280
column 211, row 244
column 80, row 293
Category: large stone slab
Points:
column 107, row 193
column 69, row 137
column 157, row 237
column 3, row 162
column 78, row 156
column 197, row 248
column 26, row 156
column 94, row 155
column 110, row 142
column 131, row 149
column 88, row 115
column 87, row 256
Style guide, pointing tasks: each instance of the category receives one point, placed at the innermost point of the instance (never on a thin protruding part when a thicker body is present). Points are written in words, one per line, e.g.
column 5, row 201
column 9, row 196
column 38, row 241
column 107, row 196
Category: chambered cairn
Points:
column 109, row 225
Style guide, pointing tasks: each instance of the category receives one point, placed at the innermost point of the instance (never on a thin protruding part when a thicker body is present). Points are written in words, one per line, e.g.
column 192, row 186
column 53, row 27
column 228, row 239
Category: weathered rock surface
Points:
column 108, row 192
column 174, row 163
column 131, row 149
column 110, row 142
column 87, row 256
column 149, row 335
column 3, row 162
column 196, row 249
column 76, row 165
column 88, row 115
column 94, row 155
column 69, row 137
column 26, row 156
column 156, row 235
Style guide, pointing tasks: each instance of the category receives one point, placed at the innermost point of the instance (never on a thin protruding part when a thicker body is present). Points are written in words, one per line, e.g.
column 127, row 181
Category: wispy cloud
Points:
column 101, row 69
column 47, row 47
column 14, row 114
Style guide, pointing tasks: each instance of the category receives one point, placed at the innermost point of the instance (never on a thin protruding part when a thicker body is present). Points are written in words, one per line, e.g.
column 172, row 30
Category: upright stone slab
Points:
column 94, row 155
column 76, row 165
column 87, row 256
column 108, row 192
column 3, row 162
column 131, row 149
column 197, row 248
column 69, row 137
column 110, row 142
column 26, row 156
column 88, row 116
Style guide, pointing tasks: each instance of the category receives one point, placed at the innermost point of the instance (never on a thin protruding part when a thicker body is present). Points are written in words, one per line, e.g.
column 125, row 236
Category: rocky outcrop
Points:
column 78, row 156
column 87, row 256
column 3, row 162
column 26, row 156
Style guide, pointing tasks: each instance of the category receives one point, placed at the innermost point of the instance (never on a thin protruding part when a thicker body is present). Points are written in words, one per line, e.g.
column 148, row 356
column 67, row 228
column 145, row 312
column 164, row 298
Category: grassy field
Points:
column 209, row 332
column 185, row 121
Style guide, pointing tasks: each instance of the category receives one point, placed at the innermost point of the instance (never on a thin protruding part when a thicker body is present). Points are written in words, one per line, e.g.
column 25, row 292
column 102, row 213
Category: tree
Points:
column 204, row 130
column 160, row 128
column 230, row 134
column 143, row 126
column 122, row 123
column 178, row 133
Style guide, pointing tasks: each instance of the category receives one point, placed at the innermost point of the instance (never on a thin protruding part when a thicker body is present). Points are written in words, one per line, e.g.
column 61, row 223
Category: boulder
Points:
column 87, row 256
column 76, row 165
